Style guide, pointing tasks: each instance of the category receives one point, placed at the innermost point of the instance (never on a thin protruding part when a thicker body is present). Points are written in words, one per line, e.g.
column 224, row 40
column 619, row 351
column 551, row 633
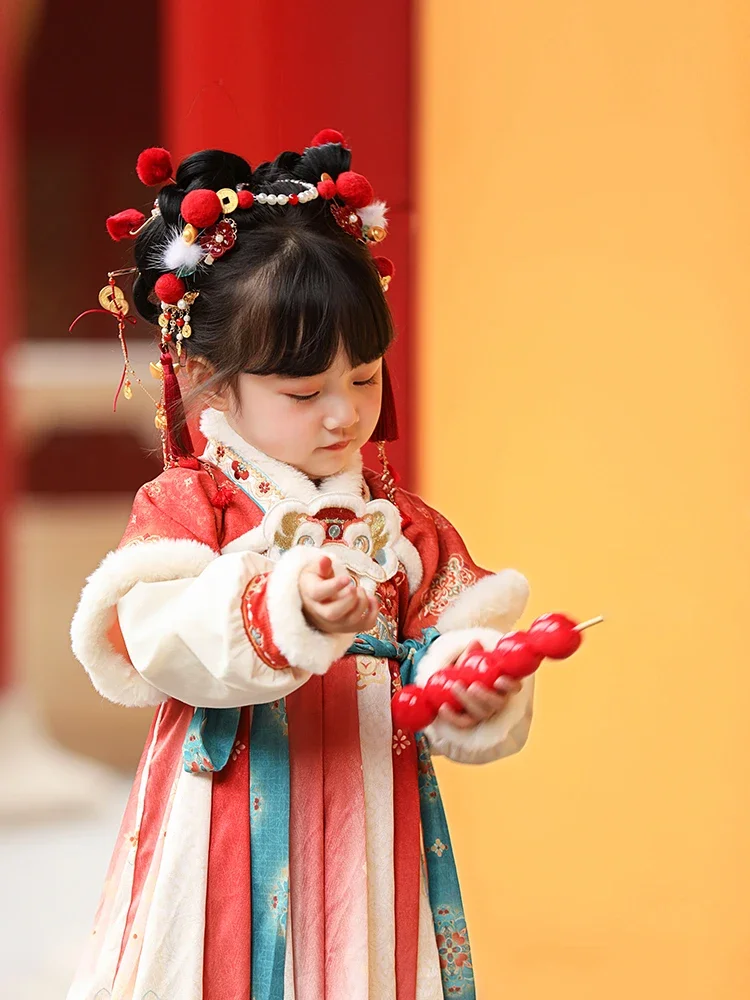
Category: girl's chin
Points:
column 325, row 463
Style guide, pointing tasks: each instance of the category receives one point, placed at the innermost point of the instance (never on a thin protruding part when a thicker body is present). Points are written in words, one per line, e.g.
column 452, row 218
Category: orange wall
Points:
column 585, row 368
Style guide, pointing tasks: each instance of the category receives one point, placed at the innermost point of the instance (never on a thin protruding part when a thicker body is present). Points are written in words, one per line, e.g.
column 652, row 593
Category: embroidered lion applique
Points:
column 364, row 537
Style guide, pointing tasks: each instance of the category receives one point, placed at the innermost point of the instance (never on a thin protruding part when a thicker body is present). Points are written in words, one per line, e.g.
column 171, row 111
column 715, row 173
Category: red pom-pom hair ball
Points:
column 245, row 199
column 327, row 135
column 386, row 267
column 122, row 225
column 154, row 166
column 355, row 189
column 327, row 189
column 201, row 207
column 170, row 288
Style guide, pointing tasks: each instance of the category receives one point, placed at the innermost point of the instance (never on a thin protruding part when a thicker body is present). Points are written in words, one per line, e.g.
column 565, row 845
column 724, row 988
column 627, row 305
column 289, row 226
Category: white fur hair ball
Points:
column 179, row 257
column 374, row 214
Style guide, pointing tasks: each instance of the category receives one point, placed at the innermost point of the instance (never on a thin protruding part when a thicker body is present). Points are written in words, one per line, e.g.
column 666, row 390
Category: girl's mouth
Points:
column 339, row 446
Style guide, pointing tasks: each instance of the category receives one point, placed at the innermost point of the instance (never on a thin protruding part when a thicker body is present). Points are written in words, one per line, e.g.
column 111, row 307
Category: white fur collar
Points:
column 258, row 470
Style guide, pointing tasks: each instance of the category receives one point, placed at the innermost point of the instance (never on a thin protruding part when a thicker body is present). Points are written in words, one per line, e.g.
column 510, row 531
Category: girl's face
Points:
column 314, row 424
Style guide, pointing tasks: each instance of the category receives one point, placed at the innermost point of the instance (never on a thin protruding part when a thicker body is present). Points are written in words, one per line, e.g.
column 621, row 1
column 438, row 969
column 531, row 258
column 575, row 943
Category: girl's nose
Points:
column 342, row 414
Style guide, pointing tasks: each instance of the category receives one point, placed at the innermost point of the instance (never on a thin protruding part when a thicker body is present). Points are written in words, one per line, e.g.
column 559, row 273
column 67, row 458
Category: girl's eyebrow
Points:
column 293, row 378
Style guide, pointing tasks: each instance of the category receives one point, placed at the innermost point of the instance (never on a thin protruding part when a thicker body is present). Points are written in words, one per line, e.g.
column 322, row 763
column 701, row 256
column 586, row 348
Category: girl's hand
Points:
column 480, row 702
column 335, row 604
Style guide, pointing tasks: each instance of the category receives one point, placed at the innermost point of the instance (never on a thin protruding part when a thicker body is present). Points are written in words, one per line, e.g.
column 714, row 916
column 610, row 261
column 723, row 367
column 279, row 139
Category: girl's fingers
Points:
column 370, row 615
column 447, row 714
column 475, row 646
column 361, row 617
column 325, row 567
column 338, row 605
column 356, row 619
column 340, row 608
column 327, row 590
column 507, row 685
column 339, row 586
column 482, row 703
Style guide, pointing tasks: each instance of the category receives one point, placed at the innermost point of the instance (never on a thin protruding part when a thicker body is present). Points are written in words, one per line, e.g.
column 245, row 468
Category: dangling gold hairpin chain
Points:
column 114, row 303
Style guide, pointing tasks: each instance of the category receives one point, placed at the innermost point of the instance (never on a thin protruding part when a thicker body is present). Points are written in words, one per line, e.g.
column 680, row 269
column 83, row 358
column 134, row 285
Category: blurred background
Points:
column 569, row 221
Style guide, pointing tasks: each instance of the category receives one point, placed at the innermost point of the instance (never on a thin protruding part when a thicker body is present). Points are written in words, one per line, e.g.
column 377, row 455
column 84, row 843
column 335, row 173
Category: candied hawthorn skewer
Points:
column 518, row 654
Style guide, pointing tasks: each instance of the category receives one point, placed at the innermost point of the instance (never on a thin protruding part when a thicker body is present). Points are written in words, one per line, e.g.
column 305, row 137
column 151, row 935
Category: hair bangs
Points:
column 308, row 303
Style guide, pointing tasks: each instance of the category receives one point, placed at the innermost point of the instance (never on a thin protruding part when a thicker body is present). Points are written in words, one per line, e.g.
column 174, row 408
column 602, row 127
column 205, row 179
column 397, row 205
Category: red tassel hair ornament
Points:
column 177, row 444
column 386, row 428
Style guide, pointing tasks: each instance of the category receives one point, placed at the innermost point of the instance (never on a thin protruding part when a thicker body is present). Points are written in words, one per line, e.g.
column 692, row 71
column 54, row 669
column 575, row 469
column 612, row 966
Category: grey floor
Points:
column 50, row 878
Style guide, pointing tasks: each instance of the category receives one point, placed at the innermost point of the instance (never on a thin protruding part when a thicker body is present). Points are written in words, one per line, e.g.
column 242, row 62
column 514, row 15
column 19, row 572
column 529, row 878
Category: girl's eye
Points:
column 370, row 381
column 303, row 399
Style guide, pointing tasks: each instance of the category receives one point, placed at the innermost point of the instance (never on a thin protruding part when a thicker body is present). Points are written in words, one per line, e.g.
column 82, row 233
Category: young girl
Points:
column 282, row 838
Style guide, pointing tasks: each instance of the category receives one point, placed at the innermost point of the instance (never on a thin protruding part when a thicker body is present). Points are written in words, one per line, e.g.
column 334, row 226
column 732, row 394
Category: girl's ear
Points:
column 199, row 374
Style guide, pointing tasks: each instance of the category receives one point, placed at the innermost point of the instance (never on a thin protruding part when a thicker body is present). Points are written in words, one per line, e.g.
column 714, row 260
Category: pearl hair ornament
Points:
column 309, row 193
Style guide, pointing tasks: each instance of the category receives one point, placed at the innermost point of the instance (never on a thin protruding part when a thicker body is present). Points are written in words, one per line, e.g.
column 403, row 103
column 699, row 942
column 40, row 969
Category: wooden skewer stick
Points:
column 592, row 621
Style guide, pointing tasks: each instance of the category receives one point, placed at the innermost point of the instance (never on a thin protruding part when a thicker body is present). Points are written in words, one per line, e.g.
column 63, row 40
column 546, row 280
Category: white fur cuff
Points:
column 164, row 559
column 496, row 601
column 491, row 740
column 302, row 645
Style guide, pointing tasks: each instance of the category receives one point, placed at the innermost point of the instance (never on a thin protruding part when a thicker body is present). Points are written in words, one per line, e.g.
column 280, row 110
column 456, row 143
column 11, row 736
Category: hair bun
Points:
column 210, row 170
column 330, row 158
column 214, row 169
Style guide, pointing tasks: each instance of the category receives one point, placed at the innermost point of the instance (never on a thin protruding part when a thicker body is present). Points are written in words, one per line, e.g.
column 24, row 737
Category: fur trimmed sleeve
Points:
column 166, row 615
column 171, row 534
column 234, row 635
column 465, row 603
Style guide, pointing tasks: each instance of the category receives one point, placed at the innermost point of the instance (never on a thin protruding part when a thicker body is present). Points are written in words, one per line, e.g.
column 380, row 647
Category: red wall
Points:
column 84, row 119
column 11, row 33
column 258, row 78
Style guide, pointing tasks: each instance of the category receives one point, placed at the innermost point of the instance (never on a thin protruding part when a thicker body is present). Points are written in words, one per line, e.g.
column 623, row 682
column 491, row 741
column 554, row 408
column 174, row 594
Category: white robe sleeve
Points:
column 182, row 614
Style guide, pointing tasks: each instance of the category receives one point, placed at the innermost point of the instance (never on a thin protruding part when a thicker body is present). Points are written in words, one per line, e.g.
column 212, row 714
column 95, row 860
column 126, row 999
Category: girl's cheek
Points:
column 296, row 417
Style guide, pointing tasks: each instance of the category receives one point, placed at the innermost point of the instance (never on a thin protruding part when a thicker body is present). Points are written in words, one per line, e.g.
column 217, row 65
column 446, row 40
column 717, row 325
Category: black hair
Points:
column 293, row 290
